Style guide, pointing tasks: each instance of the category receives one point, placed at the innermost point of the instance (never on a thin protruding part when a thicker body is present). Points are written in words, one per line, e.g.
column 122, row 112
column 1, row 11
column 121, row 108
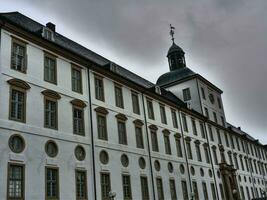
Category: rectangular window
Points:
column 184, row 123
column 202, row 129
column 126, row 186
column 163, row 114
column 174, row 119
column 186, row 94
column 78, row 121
column 215, row 117
column 135, row 102
column 242, row 192
column 213, row 192
column 226, row 139
column 144, row 188
column 105, row 185
column 118, row 96
column 194, row 127
column 207, row 113
column 203, row 93
column 199, row 158
column 76, row 79
column 102, row 127
column 173, row 189
column 99, row 89
column 232, row 142
column 81, row 185
column 195, row 189
column 179, row 147
column 219, row 102
column 154, row 140
column 221, row 190
column 150, row 109
column 15, row 182
column 205, row 191
column 50, row 69
column 122, row 132
column 222, row 120
column 215, row 156
column 160, row 189
column 211, row 133
column 17, row 105
column 50, row 113
column 184, row 189
column 189, row 151
column 167, row 144
column 18, row 56
column 237, row 143
column 52, row 184
column 248, row 195
column 139, row 137
column 219, row 136
column 207, row 156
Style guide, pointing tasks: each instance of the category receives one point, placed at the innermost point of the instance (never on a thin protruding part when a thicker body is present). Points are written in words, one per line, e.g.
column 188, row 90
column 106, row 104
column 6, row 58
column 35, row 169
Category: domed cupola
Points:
column 176, row 57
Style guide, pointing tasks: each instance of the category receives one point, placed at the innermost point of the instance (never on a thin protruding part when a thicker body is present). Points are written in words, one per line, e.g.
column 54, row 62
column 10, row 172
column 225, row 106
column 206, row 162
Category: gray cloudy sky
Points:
column 224, row 40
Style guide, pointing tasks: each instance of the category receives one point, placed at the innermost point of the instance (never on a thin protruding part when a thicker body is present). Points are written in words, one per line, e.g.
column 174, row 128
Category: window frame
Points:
column 79, row 108
column 140, row 141
column 79, row 69
column 186, row 94
column 150, row 109
column 122, row 136
column 54, row 58
column 119, row 102
column 106, row 185
column 101, row 95
column 46, row 98
column 135, row 105
column 129, row 186
column 163, row 114
column 57, row 183
column 144, row 188
column 77, row 171
column 24, row 45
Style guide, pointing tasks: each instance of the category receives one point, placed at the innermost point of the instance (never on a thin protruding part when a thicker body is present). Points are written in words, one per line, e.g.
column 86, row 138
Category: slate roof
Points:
column 175, row 48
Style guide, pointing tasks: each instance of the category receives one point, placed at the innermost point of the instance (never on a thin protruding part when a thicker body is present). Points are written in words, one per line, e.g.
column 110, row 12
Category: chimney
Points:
column 239, row 128
column 51, row 26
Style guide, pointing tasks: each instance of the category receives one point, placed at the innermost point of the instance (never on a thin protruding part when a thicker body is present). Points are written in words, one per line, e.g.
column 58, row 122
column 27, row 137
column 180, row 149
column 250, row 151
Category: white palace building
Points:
column 75, row 126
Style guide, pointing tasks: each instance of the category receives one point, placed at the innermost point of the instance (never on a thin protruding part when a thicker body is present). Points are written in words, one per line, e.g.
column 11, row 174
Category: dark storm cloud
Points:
column 224, row 40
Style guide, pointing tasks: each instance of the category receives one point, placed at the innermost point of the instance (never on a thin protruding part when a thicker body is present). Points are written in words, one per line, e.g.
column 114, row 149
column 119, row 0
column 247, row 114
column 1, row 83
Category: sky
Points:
column 224, row 41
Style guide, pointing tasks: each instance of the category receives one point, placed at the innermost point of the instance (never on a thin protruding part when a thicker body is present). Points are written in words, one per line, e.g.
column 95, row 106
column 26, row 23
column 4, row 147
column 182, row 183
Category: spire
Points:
column 172, row 32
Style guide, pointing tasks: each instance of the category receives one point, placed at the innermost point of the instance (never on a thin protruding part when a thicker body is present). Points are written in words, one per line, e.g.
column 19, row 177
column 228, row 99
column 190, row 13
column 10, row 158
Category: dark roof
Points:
column 175, row 48
column 35, row 28
column 174, row 76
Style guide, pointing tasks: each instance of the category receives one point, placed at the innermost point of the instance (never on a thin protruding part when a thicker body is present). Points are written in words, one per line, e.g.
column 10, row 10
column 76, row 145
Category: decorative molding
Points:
column 78, row 102
column 19, row 83
column 51, row 94
column 101, row 110
column 177, row 135
column 153, row 127
column 197, row 142
column 121, row 116
column 138, row 122
column 166, row 132
column 188, row 139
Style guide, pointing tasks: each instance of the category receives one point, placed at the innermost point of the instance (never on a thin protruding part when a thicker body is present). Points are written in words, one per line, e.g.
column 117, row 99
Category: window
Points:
column 160, row 189
column 50, row 113
column 184, row 189
column 139, row 137
column 186, row 94
column 16, row 143
column 248, row 195
column 105, row 185
column 150, row 109
column 222, row 119
column 102, row 126
column 221, row 190
column 142, row 163
column 51, row 148
column 215, row 117
column 207, row 112
column 81, row 185
column 194, row 127
column 50, row 69
column 167, row 144
column 207, row 156
column 15, row 182
column 202, row 129
column 205, row 191
column 189, row 151
column 79, row 153
column 118, row 96
column 213, row 192
column 135, row 102
column 203, row 93
column 226, row 139
column 124, row 160
column 78, row 121
column 219, row 102
column 48, row 34
column 18, row 56
column 17, row 105
column 242, row 192
column 163, row 114
column 210, row 132
column 126, row 186
column 174, row 119
column 52, row 184
column 215, row 155
column 219, row 136
column 178, row 147
column 144, row 188
column 237, row 143
column 184, row 123
column 103, row 157
column 122, row 132
column 99, row 89
column 199, row 158
column 173, row 189
column 195, row 190
column 154, row 140
column 76, row 79
column 232, row 142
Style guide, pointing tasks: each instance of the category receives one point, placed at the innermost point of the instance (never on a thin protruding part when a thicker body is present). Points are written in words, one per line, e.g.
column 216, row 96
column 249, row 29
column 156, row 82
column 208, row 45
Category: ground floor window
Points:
column 15, row 185
column 52, row 183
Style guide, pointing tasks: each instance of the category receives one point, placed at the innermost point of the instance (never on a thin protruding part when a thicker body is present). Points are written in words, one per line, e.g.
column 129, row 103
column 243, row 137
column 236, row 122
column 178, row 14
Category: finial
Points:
column 172, row 32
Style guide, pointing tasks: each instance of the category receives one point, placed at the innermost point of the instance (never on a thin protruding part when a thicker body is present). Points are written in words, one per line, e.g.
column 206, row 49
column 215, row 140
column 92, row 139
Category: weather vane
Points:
column 172, row 32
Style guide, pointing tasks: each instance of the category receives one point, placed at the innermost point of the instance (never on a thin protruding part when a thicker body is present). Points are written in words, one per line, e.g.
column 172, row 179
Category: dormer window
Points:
column 48, row 34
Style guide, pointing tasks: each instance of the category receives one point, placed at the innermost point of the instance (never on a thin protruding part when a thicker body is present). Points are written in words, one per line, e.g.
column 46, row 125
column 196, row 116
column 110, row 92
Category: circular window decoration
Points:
column 142, row 163
column 170, row 167
column 211, row 97
column 80, row 153
column 192, row 170
column 182, row 170
column 157, row 165
column 51, row 148
column 124, row 160
column 210, row 173
column 16, row 143
column 202, row 172
column 103, row 157
column 218, row 174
